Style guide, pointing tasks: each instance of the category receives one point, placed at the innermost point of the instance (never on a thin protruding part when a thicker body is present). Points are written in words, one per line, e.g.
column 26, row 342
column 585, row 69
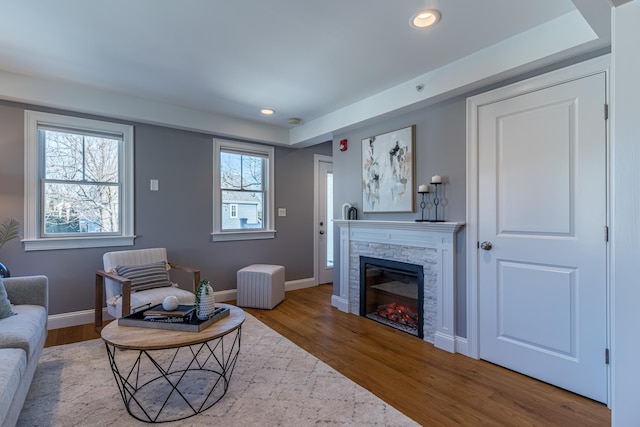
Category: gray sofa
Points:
column 22, row 338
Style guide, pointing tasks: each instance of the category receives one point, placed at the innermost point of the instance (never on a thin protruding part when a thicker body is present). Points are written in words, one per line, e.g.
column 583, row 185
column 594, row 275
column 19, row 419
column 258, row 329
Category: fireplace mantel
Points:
column 405, row 235
column 440, row 227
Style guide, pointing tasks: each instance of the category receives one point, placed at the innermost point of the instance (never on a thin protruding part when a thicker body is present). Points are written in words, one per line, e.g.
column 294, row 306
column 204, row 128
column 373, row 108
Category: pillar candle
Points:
column 423, row 188
column 436, row 179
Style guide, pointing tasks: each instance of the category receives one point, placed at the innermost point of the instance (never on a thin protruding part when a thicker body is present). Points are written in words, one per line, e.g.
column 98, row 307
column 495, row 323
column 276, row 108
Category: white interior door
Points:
column 541, row 222
column 324, row 217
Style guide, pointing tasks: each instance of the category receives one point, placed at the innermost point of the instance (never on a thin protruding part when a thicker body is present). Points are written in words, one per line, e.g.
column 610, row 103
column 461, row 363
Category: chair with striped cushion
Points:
column 138, row 279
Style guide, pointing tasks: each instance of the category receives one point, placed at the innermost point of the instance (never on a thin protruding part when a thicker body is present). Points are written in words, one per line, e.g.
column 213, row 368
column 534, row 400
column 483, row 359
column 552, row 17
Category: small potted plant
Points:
column 9, row 230
column 205, row 300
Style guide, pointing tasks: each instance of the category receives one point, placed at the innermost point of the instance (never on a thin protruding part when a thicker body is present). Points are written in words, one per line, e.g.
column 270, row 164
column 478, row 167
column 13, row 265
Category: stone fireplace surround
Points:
column 430, row 244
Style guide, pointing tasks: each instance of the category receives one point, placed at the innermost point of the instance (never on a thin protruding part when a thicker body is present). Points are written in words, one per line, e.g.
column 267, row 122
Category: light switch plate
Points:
column 282, row 211
column 154, row 185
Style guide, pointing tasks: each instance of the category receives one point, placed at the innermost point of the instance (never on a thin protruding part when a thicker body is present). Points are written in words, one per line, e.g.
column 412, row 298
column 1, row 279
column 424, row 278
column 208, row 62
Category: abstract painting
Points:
column 388, row 172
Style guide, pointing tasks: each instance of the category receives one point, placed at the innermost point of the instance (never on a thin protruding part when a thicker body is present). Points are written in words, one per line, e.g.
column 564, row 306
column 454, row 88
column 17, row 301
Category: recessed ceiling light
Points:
column 425, row 18
column 267, row 111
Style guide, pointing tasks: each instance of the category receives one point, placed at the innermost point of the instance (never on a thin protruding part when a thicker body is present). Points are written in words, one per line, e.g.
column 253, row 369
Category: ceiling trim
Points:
column 88, row 100
column 533, row 49
column 617, row 3
column 517, row 55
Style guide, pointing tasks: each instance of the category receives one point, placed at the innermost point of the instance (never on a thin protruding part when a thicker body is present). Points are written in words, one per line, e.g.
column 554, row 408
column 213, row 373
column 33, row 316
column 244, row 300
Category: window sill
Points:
column 228, row 236
column 76, row 243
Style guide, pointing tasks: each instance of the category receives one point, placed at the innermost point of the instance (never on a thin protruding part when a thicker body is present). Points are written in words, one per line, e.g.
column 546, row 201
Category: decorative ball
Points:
column 170, row 303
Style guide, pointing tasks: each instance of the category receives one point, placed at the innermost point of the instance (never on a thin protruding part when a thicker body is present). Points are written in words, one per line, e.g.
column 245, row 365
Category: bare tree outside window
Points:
column 81, row 183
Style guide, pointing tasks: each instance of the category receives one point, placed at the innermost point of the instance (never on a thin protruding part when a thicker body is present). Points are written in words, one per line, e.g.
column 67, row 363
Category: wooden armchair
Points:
column 136, row 280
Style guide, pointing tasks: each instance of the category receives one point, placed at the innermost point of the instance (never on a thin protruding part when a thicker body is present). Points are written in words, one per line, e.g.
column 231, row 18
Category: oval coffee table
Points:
column 165, row 375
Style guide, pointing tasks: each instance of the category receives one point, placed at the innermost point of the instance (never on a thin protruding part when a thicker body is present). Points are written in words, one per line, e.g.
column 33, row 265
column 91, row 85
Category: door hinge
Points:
column 606, row 356
column 478, row 242
column 606, row 111
column 606, row 233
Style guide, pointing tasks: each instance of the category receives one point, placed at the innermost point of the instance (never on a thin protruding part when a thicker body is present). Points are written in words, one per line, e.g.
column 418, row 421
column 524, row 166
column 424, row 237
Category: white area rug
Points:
column 275, row 383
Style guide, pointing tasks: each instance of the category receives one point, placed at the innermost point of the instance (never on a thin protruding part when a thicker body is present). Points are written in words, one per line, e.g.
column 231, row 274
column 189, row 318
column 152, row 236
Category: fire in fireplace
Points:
column 398, row 313
column 392, row 292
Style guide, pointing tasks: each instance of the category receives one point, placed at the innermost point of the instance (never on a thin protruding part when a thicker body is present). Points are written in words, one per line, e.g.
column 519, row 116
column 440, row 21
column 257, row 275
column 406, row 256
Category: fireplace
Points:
column 431, row 245
column 392, row 293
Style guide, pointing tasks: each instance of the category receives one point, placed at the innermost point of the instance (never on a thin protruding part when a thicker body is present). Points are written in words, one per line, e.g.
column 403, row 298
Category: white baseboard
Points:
column 227, row 295
column 299, row 284
column 340, row 303
column 462, row 346
column 444, row 342
column 76, row 318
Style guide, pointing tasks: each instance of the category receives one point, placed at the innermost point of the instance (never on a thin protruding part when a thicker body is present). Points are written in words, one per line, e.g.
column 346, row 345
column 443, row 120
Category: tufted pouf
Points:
column 260, row 286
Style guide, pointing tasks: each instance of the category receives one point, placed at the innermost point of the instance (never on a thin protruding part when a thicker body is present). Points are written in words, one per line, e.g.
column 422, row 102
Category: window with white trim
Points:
column 242, row 191
column 79, row 182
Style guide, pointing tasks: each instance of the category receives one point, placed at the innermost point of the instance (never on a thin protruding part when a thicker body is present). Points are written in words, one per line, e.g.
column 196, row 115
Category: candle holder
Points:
column 436, row 202
column 423, row 204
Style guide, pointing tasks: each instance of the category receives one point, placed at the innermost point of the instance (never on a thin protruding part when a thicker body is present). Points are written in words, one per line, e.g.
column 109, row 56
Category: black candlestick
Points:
column 436, row 202
column 423, row 204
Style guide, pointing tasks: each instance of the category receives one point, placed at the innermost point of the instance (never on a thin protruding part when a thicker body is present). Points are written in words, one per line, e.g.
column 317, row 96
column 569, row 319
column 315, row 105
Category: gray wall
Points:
column 178, row 216
column 440, row 150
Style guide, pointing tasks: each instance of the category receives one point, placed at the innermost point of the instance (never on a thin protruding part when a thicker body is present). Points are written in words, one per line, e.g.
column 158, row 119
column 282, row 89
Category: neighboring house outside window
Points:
column 241, row 215
column 79, row 182
column 243, row 192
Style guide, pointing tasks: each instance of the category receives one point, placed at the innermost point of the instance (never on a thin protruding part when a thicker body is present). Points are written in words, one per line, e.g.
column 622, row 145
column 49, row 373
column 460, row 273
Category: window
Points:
column 243, row 194
column 79, row 183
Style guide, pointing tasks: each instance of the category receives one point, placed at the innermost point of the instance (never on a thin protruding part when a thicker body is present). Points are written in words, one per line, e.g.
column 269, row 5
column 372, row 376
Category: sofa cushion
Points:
column 5, row 304
column 12, row 369
column 147, row 276
column 24, row 329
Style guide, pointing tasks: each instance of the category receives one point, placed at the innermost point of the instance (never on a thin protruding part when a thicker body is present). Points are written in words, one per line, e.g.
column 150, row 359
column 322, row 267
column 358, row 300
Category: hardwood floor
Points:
column 433, row 387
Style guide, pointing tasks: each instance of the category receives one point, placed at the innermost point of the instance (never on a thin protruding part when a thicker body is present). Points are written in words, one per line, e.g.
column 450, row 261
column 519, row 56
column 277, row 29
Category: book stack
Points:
column 182, row 314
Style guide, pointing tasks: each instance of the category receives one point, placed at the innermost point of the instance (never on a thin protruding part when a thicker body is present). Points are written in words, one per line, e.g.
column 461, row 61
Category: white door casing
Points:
column 323, row 220
column 541, row 197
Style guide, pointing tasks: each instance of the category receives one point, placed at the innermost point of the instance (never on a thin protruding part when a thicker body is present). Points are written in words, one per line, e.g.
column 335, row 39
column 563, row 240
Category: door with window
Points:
column 324, row 219
column 542, row 250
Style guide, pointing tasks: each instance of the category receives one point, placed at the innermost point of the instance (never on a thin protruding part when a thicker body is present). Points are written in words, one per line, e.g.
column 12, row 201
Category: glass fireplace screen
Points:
column 392, row 293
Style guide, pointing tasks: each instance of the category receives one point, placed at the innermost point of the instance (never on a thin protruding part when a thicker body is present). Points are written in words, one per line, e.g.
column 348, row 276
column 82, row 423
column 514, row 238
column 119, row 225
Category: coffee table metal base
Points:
column 174, row 384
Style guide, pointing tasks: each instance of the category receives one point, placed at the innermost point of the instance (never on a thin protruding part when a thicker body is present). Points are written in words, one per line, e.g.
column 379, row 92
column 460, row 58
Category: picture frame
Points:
column 388, row 172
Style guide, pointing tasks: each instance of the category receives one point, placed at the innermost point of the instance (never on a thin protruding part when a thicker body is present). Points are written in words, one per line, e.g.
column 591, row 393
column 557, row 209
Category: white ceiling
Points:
column 333, row 63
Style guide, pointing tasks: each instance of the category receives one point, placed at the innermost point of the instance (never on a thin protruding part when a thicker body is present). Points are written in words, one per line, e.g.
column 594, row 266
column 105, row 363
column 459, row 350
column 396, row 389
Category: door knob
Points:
column 321, row 231
column 486, row 246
